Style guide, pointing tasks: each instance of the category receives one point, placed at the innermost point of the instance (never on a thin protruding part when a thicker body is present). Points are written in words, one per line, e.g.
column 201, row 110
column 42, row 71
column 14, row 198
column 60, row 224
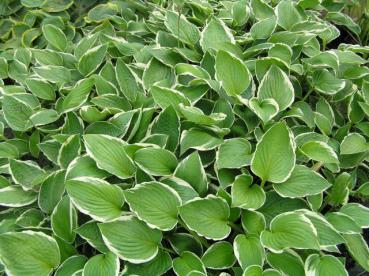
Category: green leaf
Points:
column 319, row 151
column 155, row 203
column 264, row 28
column 287, row 262
column 358, row 212
column 245, row 194
column 51, row 191
column 181, row 28
column 187, row 262
column 126, row 80
column 234, row 153
column 41, row 89
column 215, row 35
column 53, row 73
column 166, row 97
column 353, row 143
column 197, row 116
column 78, row 95
column 92, row 59
column 212, row 221
column 248, row 251
column 28, row 253
column 64, row 220
column 229, row 70
column 326, row 83
column 274, row 157
column 131, row 239
column 358, row 249
column 323, row 265
column 265, row 109
column 219, row 256
column 90, row 232
column 26, row 173
column 156, row 161
column 290, row 230
column 15, row 196
column 102, row 265
column 71, row 265
column 55, row 36
column 96, row 198
column 197, row 178
column 44, row 117
column 277, row 86
column 109, row 154
column 199, row 140
column 302, row 182
column 343, row 223
column 16, row 113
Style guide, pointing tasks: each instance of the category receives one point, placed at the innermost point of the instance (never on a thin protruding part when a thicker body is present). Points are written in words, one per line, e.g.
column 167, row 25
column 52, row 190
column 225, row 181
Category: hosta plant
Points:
column 184, row 137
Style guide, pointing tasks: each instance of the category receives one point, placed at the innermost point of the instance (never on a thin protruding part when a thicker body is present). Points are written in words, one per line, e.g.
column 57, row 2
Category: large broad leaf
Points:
column 302, row 182
column 131, row 239
column 290, row 230
column 207, row 216
column 219, row 256
column 277, row 86
column 156, row 161
column 232, row 73
column 51, row 191
column 215, row 35
column 126, row 80
column 28, row 253
column 15, row 196
column 55, row 36
column 319, row 151
column 343, row 223
column 71, row 265
column 78, row 95
column 102, row 265
column 324, row 265
column 110, row 155
column 274, row 157
column 197, row 178
column 96, row 197
column 186, row 263
column 198, row 139
column 234, row 153
column 358, row 212
column 358, row 249
column 179, row 26
column 288, row 262
column 26, row 173
column 92, row 59
column 166, row 97
column 16, row 113
column 155, row 203
column 248, row 251
column 247, row 195
column 90, row 232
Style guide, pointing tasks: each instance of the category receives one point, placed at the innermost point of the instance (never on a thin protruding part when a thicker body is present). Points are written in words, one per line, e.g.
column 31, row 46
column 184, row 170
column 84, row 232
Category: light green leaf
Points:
column 102, row 265
column 277, row 86
column 219, row 256
column 290, row 230
column 265, row 109
column 248, row 251
column 326, row 83
column 234, row 153
column 215, row 35
column 92, row 59
column 319, row 151
column 16, row 113
column 51, row 191
column 186, row 263
column 109, row 154
column 28, row 253
column 274, row 157
column 212, row 221
column 199, row 140
column 358, row 212
column 343, row 223
column 287, row 262
column 55, row 36
column 302, row 182
column 96, row 198
column 264, row 28
column 316, row 265
column 197, row 116
column 71, row 265
column 126, row 80
column 26, row 173
column 245, row 194
column 155, row 203
column 181, row 28
column 232, row 73
column 156, row 161
column 41, row 89
column 354, row 143
column 166, row 97
column 131, row 239
column 44, row 117
column 358, row 249
column 15, row 196
column 78, row 95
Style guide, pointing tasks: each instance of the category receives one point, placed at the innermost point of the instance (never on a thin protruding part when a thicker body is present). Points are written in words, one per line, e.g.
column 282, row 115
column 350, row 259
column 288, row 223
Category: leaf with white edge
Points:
column 219, row 256
column 64, row 220
column 126, row 80
column 354, row 143
column 248, row 251
column 181, row 28
column 253, row 270
column 90, row 232
column 92, row 59
column 287, row 262
column 234, row 153
column 186, row 263
column 16, row 113
column 102, row 265
column 263, row 28
column 207, row 216
column 326, row 83
column 359, row 213
column 232, row 73
column 55, row 36
column 166, row 97
column 197, row 178
column 78, row 95
column 274, row 157
column 276, row 85
column 44, row 117
column 156, row 161
column 131, row 239
column 197, row 116
column 245, row 194
column 343, row 223
column 358, row 249
column 199, row 140
column 96, row 197
column 302, row 182
column 265, row 109
column 290, row 230
column 15, row 196
column 319, row 151
column 215, row 35
column 26, row 173
column 71, row 265
column 109, row 154
column 28, row 253
column 155, row 203
column 51, row 191
column 316, row 265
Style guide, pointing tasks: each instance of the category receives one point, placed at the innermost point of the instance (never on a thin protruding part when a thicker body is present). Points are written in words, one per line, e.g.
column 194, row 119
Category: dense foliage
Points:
column 191, row 137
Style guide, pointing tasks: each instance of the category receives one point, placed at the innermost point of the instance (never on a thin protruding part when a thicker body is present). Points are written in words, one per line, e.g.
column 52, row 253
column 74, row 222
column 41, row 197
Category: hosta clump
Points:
column 183, row 137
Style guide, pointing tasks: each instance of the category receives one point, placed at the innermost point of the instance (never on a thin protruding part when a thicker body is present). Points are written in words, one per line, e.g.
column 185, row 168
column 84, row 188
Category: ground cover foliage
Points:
column 184, row 137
